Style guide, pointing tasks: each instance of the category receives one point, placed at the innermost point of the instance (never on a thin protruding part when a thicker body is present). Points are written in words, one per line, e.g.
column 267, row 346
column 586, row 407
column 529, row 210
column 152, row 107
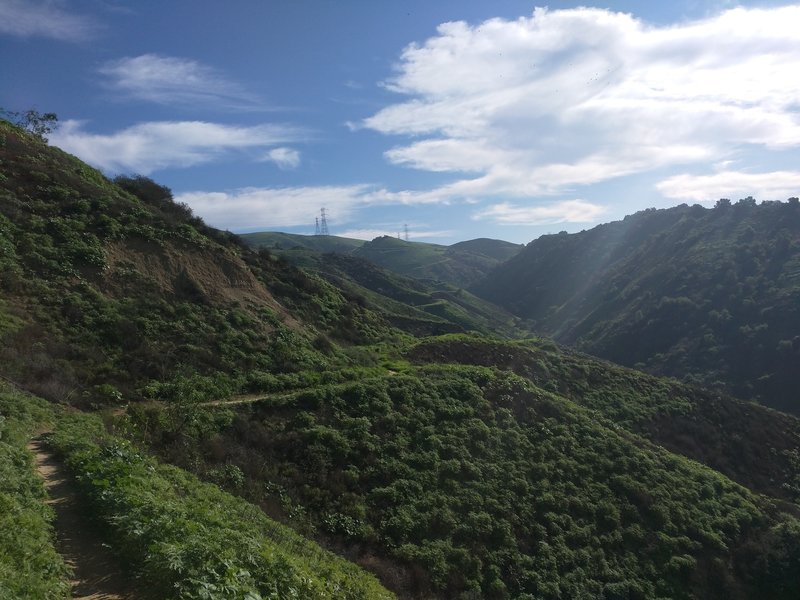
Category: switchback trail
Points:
column 97, row 576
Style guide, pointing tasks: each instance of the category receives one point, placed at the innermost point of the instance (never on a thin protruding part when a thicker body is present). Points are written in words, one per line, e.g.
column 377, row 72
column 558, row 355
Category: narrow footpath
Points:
column 97, row 576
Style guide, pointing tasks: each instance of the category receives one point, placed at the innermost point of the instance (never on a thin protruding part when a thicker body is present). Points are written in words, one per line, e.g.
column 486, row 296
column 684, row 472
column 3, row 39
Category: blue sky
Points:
column 461, row 119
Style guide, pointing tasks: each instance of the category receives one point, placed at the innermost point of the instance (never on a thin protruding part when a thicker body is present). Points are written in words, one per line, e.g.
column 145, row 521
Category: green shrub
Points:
column 189, row 539
column 30, row 567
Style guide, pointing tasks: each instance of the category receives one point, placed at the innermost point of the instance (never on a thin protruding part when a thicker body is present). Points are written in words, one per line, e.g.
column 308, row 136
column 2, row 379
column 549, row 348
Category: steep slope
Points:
column 107, row 287
column 418, row 307
column 753, row 445
column 177, row 537
column 274, row 240
column 708, row 295
column 456, row 467
column 455, row 481
column 460, row 264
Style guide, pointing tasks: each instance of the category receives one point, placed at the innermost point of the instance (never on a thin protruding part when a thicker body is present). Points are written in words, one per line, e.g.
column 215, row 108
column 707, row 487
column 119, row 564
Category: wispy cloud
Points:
column 542, row 104
column 171, row 80
column 255, row 208
column 776, row 185
column 151, row 146
column 284, row 158
column 267, row 208
column 568, row 211
column 48, row 18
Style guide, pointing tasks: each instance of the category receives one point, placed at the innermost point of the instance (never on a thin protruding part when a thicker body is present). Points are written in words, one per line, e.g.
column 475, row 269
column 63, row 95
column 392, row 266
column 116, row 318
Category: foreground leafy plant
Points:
column 30, row 567
column 188, row 539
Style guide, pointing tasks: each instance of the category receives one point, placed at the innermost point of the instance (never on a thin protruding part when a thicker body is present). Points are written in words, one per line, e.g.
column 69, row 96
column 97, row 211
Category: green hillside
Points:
column 456, row 481
column 106, row 288
column 217, row 408
column 415, row 306
column 179, row 537
column 275, row 240
column 711, row 296
column 459, row 265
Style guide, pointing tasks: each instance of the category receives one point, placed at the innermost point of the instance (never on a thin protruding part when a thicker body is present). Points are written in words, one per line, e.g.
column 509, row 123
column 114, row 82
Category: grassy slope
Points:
column 460, row 480
column 285, row 241
column 417, row 307
column 185, row 539
column 106, row 291
column 471, row 482
column 30, row 567
column 459, row 265
column 709, row 295
column 751, row 444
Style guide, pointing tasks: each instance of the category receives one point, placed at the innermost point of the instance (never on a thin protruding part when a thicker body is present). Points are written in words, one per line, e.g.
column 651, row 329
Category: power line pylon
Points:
column 323, row 222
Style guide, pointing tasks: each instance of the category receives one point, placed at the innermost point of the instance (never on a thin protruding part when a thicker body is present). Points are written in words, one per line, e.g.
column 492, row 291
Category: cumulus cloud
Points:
column 284, row 158
column 777, row 185
column 151, row 146
column 265, row 208
column 49, row 19
column 171, row 80
column 542, row 104
column 568, row 211
column 268, row 208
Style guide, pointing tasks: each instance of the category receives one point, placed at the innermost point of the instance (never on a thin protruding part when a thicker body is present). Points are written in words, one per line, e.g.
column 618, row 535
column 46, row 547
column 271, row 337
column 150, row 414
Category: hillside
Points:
column 458, row 265
column 711, row 296
column 457, row 481
column 415, row 306
column 217, row 394
column 277, row 241
column 107, row 287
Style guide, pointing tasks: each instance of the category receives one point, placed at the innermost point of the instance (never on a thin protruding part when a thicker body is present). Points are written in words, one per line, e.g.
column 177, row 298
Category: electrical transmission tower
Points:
column 405, row 231
column 316, row 225
column 323, row 222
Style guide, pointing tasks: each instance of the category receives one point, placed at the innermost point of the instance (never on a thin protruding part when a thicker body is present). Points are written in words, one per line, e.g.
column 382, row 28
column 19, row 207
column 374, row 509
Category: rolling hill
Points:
column 459, row 264
column 215, row 394
column 277, row 241
column 711, row 296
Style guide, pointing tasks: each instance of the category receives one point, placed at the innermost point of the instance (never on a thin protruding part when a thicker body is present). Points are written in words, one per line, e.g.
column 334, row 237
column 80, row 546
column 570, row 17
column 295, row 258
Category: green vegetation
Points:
column 190, row 540
column 276, row 242
column 753, row 445
column 39, row 124
column 458, row 265
column 708, row 295
column 414, row 306
column 454, row 466
column 482, row 485
column 30, row 567
column 109, row 286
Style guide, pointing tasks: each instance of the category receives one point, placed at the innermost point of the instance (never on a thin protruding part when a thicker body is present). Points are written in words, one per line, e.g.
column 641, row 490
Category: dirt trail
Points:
column 97, row 575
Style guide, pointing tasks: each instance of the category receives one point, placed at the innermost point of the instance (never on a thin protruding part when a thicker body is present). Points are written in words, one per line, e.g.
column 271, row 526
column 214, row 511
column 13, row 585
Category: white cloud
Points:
column 777, row 185
column 49, row 19
column 563, row 98
column 268, row 208
column 151, row 146
column 171, row 80
column 568, row 211
column 284, row 158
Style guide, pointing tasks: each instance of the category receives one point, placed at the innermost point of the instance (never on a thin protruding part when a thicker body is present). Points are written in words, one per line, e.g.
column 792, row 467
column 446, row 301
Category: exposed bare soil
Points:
column 96, row 573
